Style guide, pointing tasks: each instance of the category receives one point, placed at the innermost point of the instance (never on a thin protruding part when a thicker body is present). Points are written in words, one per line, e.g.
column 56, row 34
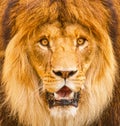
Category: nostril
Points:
column 64, row 74
column 72, row 73
column 58, row 73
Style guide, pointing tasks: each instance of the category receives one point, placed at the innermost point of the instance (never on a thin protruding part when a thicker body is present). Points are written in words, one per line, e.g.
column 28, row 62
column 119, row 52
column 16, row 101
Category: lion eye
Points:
column 81, row 41
column 44, row 42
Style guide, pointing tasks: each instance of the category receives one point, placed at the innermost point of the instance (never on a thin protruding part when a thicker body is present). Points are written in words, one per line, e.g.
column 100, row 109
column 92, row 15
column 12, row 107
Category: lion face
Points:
column 62, row 58
column 59, row 64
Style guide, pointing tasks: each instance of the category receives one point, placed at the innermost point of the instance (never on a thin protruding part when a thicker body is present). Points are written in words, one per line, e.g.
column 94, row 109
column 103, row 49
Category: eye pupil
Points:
column 44, row 42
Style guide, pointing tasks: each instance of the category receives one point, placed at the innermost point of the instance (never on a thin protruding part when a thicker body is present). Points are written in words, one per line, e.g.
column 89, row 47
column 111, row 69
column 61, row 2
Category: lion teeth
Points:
column 58, row 97
column 82, row 87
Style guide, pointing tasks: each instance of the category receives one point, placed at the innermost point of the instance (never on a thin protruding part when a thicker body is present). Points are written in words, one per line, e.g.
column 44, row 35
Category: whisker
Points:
column 39, row 88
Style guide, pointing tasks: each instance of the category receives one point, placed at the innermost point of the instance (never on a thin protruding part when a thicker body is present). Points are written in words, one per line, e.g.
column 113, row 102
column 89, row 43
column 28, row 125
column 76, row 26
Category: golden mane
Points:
column 22, row 96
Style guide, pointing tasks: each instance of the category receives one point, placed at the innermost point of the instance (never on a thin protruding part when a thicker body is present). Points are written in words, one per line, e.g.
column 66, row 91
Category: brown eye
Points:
column 81, row 41
column 44, row 42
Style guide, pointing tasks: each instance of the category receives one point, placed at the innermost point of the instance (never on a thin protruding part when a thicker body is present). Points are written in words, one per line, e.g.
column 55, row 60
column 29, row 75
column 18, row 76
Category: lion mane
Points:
column 23, row 68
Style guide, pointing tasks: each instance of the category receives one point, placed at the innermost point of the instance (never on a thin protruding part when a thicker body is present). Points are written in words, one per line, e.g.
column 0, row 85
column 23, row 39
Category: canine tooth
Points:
column 71, row 95
column 57, row 97
column 82, row 87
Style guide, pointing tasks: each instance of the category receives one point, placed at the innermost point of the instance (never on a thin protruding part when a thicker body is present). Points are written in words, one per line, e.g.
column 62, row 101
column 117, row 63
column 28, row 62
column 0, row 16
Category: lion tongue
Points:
column 64, row 92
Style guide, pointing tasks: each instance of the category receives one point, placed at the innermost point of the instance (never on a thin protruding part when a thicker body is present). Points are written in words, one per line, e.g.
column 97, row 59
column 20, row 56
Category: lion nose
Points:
column 64, row 74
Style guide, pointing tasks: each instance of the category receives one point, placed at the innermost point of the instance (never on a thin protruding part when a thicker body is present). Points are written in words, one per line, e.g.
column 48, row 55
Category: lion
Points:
column 59, row 62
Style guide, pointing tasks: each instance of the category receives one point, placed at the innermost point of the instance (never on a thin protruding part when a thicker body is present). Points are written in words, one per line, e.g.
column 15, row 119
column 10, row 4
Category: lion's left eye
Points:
column 44, row 42
column 81, row 41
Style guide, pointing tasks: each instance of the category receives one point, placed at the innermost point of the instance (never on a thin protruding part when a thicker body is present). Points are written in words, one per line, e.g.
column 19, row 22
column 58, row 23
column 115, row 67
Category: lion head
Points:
column 59, row 66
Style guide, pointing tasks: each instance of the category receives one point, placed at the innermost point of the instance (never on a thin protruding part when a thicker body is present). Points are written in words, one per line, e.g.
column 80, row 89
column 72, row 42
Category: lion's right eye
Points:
column 81, row 41
column 44, row 42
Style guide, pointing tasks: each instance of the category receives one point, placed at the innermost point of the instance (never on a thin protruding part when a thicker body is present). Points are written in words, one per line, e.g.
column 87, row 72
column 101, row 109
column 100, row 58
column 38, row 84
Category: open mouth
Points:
column 64, row 97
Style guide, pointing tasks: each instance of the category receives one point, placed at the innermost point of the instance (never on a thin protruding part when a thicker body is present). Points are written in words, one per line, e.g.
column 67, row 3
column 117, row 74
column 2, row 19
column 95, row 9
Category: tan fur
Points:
column 27, row 67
